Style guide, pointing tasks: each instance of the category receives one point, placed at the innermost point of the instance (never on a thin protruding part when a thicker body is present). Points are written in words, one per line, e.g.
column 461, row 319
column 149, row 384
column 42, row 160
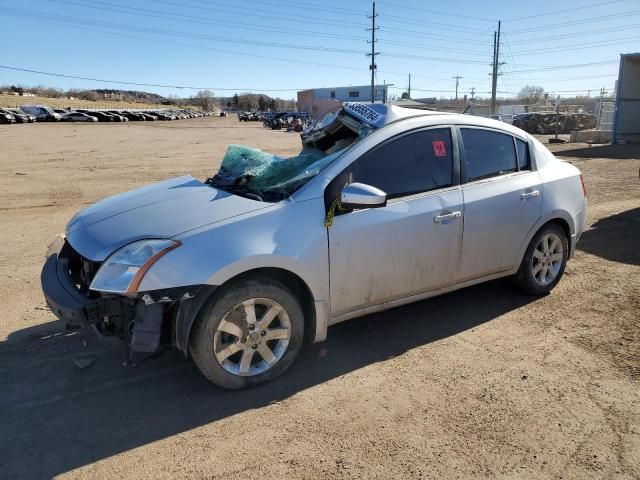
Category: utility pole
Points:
column 457, row 77
column 494, row 75
column 409, row 89
column 473, row 92
column 603, row 91
column 373, row 53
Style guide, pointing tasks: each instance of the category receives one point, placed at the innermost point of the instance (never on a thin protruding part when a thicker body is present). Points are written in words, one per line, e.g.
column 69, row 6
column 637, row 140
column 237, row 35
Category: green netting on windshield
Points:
column 262, row 170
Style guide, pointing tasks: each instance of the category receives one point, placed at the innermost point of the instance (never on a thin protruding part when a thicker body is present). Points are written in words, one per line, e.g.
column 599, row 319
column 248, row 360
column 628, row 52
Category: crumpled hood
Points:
column 161, row 210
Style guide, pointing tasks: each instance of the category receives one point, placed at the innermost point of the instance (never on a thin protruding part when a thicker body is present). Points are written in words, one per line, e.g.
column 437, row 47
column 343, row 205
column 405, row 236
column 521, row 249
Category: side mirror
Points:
column 359, row 195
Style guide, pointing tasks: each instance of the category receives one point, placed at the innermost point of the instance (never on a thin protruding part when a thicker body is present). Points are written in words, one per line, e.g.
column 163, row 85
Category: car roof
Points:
column 380, row 115
column 436, row 118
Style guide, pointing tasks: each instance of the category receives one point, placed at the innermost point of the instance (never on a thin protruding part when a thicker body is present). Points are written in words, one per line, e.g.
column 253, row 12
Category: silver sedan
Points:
column 78, row 117
column 383, row 206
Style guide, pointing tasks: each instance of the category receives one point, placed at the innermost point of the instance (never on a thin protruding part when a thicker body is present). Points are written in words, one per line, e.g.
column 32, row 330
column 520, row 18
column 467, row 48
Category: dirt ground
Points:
column 480, row 383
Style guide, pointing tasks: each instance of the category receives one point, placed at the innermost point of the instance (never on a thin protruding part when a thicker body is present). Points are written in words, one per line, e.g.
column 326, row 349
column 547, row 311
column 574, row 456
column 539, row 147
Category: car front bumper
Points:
column 63, row 297
column 69, row 303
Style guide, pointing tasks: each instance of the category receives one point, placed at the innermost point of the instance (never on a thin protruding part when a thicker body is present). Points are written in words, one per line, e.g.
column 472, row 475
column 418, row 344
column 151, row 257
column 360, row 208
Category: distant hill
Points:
column 130, row 95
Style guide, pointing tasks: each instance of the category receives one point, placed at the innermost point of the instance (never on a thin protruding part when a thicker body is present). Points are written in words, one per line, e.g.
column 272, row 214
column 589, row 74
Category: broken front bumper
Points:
column 62, row 296
column 66, row 300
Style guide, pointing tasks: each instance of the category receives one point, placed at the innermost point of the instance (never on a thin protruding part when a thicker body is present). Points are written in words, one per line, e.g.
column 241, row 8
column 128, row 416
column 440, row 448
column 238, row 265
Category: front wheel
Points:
column 248, row 333
column 544, row 261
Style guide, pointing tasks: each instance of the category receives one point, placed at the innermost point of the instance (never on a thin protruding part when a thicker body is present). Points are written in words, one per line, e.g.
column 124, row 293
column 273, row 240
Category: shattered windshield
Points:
column 266, row 177
column 252, row 173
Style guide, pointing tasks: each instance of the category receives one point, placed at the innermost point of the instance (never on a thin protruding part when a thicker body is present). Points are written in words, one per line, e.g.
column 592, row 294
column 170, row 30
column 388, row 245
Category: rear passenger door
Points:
column 502, row 200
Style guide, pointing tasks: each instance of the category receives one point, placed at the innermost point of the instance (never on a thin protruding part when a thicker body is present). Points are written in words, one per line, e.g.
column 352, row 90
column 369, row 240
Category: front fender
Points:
column 291, row 236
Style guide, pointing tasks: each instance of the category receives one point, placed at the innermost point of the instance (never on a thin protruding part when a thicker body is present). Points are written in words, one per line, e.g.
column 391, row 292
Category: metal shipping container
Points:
column 626, row 121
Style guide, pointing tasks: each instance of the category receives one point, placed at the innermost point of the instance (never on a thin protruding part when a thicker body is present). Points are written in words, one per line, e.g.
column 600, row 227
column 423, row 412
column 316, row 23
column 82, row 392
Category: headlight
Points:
column 123, row 271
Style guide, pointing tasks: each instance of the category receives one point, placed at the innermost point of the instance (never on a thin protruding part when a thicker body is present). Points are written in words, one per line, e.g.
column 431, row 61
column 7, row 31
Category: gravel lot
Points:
column 480, row 383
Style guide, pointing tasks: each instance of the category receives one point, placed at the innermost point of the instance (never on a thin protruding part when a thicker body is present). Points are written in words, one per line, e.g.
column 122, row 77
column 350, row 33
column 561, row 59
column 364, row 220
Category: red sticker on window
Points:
column 439, row 149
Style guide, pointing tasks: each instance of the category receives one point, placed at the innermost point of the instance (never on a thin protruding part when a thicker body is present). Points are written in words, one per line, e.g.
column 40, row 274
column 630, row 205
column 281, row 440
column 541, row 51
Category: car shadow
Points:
column 56, row 416
column 628, row 151
column 615, row 238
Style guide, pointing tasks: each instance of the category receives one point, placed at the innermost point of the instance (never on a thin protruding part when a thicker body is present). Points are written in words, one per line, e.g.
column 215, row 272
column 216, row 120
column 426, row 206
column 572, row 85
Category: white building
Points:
column 318, row 101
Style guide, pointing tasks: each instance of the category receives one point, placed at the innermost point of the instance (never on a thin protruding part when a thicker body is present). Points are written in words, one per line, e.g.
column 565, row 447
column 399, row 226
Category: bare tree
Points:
column 531, row 94
column 205, row 100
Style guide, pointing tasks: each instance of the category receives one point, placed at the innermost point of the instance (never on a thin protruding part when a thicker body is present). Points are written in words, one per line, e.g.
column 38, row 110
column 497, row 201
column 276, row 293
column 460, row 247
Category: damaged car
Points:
column 383, row 206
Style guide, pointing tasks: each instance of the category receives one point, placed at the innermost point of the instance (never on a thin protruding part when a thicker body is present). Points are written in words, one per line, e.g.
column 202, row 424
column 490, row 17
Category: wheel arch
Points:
column 293, row 282
column 186, row 317
column 565, row 227
column 560, row 218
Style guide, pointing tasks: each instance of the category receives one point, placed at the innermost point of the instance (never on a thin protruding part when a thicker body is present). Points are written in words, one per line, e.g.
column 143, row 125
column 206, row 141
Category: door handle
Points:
column 528, row 195
column 447, row 216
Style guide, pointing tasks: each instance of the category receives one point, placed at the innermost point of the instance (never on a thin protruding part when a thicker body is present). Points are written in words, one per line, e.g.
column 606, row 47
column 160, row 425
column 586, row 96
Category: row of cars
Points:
column 13, row 115
column 43, row 113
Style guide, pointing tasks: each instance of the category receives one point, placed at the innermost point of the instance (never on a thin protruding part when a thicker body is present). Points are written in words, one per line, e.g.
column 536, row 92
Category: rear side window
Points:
column 413, row 163
column 487, row 153
column 523, row 155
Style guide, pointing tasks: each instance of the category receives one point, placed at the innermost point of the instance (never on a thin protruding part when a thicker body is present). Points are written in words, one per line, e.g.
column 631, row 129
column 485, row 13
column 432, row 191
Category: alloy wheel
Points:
column 547, row 259
column 252, row 337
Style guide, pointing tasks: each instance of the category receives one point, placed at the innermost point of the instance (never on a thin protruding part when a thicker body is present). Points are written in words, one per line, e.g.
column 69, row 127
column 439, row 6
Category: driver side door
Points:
column 411, row 245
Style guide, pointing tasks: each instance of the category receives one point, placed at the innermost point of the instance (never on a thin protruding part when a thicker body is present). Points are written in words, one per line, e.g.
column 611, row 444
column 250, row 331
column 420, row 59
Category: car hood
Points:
column 160, row 210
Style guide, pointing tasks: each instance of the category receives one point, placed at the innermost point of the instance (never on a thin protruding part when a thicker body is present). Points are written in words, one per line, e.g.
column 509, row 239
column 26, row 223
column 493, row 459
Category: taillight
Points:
column 584, row 189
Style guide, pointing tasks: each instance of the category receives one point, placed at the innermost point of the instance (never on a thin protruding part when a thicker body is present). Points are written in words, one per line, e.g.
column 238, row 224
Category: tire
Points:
column 224, row 325
column 532, row 278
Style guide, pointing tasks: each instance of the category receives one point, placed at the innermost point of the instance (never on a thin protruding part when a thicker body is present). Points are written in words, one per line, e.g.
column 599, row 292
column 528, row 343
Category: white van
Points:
column 41, row 112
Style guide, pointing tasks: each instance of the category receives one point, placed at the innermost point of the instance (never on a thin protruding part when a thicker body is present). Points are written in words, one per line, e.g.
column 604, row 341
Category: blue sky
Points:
column 287, row 45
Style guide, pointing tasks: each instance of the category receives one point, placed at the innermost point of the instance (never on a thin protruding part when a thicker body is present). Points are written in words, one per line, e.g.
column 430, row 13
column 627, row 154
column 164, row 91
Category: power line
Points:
column 138, row 84
column 593, row 5
column 446, row 38
column 261, row 13
column 211, row 49
column 582, row 46
column 158, row 31
column 435, row 12
column 315, row 6
column 561, row 67
column 577, row 34
column 599, row 18
column 150, row 13
column 265, row 15
column 442, row 26
column 173, row 33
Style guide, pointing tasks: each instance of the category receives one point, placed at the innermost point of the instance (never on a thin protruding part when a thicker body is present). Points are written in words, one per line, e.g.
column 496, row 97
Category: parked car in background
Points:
column 384, row 206
column 101, row 116
column 41, row 112
column 20, row 116
column 117, row 116
column 135, row 116
column 17, row 117
column 79, row 117
column 6, row 118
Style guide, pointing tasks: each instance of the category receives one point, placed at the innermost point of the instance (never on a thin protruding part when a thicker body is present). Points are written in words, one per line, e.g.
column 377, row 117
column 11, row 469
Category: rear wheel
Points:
column 544, row 261
column 248, row 333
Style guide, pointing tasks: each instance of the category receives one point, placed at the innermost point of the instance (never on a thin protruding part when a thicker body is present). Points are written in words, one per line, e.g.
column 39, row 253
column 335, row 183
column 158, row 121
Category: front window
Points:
column 413, row 163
